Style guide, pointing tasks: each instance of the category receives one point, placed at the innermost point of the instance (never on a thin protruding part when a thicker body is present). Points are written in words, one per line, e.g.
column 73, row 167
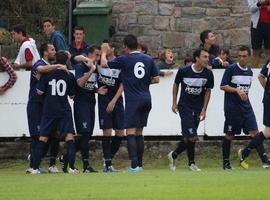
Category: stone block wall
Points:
column 177, row 24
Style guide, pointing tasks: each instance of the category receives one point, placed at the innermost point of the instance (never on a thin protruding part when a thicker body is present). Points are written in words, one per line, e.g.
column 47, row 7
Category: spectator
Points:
column 143, row 48
column 188, row 60
column 166, row 62
column 28, row 53
column 222, row 61
column 78, row 46
column 260, row 29
column 208, row 40
column 5, row 66
column 56, row 37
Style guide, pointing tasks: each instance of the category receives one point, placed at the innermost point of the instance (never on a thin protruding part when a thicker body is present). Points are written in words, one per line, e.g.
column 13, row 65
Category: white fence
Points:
column 162, row 121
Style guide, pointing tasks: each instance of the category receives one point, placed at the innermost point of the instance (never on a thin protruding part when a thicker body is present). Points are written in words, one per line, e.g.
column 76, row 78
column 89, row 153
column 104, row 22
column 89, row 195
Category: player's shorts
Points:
column 235, row 122
column 190, row 120
column 115, row 119
column 34, row 114
column 260, row 36
column 84, row 116
column 63, row 124
column 266, row 115
column 136, row 113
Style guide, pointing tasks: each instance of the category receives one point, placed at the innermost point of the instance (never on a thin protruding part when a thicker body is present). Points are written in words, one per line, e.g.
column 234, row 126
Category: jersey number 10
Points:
column 58, row 88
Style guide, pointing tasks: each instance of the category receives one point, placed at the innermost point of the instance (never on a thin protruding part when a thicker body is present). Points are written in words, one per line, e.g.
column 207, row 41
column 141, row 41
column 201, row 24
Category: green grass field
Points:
column 156, row 182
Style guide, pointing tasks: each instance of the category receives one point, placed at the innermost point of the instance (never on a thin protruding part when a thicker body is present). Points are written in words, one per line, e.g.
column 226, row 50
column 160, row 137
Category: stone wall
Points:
column 177, row 24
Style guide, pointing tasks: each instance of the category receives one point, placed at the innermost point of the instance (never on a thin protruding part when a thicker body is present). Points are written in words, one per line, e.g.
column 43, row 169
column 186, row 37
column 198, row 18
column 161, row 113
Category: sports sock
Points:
column 140, row 149
column 33, row 144
column 85, row 150
column 106, row 146
column 179, row 149
column 254, row 143
column 191, row 152
column 226, row 149
column 54, row 148
column 71, row 151
column 40, row 148
column 115, row 145
column 132, row 150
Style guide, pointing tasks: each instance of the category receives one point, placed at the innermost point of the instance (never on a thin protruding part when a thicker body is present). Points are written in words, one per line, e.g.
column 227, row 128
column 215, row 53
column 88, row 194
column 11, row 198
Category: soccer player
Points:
column 257, row 141
column 138, row 71
column 35, row 105
column 111, row 110
column 28, row 53
column 84, row 104
column 196, row 84
column 78, row 46
column 238, row 111
column 56, row 115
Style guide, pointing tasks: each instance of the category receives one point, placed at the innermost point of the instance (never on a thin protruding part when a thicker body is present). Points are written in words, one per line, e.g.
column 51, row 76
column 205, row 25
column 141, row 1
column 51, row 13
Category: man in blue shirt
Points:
column 196, row 84
column 56, row 115
column 257, row 141
column 138, row 71
column 238, row 111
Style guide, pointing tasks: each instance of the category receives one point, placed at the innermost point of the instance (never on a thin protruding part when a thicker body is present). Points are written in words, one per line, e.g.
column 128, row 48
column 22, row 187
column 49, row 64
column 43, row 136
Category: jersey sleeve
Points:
column 179, row 76
column 227, row 77
column 116, row 63
column 79, row 71
column 210, row 81
column 266, row 69
column 42, row 83
column 28, row 55
column 154, row 69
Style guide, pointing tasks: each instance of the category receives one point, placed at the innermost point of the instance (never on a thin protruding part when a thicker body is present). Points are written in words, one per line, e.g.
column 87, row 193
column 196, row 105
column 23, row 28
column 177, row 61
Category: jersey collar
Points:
column 242, row 68
column 194, row 70
column 135, row 52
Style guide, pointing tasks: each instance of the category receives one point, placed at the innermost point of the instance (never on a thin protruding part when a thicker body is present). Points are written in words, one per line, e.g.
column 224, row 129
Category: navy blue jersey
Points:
column 87, row 92
column 33, row 96
column 266, row 73
column 137, row 70
column 237, row 77
column 193, row 86
column 57, row 85
column 111, row 79
column 83, row 50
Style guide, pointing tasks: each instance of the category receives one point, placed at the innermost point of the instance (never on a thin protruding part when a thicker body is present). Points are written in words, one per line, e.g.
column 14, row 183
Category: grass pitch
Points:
column 152, row 184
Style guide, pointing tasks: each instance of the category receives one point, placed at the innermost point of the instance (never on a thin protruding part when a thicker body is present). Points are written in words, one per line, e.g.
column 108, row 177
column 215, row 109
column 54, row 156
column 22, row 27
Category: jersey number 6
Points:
column 139, row 70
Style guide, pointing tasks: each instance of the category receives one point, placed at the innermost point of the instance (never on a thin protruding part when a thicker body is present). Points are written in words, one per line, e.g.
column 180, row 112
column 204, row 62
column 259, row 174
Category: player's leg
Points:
column 71, row 152
column 39, row 151
column 226, row 150
column 140, row 146
column 106, row 146
column 54, row 143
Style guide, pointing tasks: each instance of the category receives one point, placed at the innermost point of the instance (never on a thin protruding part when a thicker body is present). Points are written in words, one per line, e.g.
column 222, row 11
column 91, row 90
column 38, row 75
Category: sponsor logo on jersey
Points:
column 193, row 90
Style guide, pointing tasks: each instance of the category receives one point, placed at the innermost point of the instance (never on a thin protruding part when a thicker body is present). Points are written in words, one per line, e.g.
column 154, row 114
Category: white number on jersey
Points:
column 139, row 70
column 58, row 87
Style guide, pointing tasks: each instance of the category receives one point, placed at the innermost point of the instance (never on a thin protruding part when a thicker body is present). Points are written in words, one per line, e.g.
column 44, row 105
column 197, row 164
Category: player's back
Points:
column 57, row 85
column 136, row 74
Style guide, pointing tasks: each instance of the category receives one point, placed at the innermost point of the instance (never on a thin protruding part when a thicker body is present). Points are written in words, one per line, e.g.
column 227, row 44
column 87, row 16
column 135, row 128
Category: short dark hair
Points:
column 19, row 28
column 245, row 48
column 79, row 28
column 61, row 57
column 188, row 59
column 48, row 20
column 43, row 48
column 197, row 53
column 204, row 35
column 131, row 42
column 92, row 48
column 144, row 47
column 225, row 50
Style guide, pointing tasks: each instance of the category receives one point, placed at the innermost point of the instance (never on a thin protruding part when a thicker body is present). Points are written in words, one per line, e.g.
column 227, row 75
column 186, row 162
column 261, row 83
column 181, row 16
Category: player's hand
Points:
column 242, row 95
column 174, row 108
column 2, row 90
column 15, row 66
column 37, row 75
column 202, row 115
column 102, row 90
column 168, row 73
column 91, row 65
column 225, row 63
column 104, row 47
column 110, row 106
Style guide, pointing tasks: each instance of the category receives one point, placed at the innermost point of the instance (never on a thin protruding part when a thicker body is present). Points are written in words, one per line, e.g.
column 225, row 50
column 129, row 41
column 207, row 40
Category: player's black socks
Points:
column 261, row 152
column 54, row 148
column 191, row 152
column 71, row 151
column 33, row 144
column 115, row 145
column 140, row 149
column 84, row 147
column 39, row 152
column 106, row 146
column 179, row 149
column 254, row 143
column 132, row 150
column 226, row 149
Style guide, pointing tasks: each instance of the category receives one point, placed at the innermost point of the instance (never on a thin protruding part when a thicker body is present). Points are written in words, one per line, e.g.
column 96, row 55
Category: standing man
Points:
column 28, row 53
column 238, row 111
column 55, row 37
column 196, row 84
column 5, row 66
column 111, row 110
column 257, row 141
column 138, row 71
column 78, row 46
column 56, row 86
column 260, row 29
